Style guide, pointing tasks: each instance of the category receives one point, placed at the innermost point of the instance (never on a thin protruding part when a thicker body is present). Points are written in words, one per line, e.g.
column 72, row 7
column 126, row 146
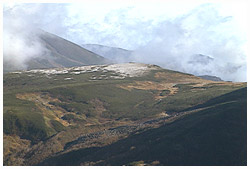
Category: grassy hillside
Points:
column 213, row 136
column 54, row 107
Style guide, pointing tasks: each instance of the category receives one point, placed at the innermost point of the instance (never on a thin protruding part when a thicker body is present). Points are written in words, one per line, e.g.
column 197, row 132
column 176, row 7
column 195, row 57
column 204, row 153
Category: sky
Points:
column 167, row 33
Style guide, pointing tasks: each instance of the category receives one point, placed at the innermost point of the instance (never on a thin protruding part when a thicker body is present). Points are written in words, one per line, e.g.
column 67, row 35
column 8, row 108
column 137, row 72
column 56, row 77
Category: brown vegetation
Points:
column 43, row 103
column 150, row 85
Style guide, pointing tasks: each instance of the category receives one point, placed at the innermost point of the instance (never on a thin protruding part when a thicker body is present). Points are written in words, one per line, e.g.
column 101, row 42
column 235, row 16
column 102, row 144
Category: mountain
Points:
column 200, row 59
column 60, row 53
column 118, row 55
column 122, row 114
column 208, row 77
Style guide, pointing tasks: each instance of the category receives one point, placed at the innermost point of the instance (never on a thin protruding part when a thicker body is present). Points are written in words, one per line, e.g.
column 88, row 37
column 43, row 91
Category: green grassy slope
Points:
column 51, row 108
column 82, row 97
column 23, row 118
column 214, row 136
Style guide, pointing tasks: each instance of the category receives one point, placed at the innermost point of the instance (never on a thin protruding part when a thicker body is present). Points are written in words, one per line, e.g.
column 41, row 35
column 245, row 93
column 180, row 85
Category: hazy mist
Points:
column 171, row 42
column 176, row 42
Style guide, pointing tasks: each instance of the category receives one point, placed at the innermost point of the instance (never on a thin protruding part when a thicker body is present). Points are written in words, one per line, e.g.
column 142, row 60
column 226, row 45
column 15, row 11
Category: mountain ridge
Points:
column 119, row 55
column 59, row 53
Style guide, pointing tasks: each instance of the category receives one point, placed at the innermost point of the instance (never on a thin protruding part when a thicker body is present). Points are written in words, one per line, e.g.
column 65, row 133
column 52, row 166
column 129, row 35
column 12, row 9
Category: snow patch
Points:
column 76, row 73
column 16, row 72
column 49, row 71
column 68, row 78
column 130, row 69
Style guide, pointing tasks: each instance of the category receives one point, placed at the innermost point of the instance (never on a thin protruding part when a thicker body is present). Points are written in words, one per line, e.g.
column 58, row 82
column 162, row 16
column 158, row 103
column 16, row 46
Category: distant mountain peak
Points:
column 209, row 77
column 200, row 59
column 118, row 55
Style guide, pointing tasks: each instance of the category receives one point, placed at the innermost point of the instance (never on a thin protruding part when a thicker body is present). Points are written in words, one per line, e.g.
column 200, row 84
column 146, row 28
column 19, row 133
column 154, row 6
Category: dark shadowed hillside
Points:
column 213, row 136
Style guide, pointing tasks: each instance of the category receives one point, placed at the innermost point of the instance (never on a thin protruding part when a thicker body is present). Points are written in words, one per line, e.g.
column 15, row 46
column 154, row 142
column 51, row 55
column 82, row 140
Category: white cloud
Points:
column 201, row 31
column 162, row 32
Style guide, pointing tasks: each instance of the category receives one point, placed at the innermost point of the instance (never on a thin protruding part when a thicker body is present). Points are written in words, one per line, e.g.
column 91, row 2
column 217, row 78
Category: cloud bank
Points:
column 22, row 27
column 199, row 40
column 177, row 45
